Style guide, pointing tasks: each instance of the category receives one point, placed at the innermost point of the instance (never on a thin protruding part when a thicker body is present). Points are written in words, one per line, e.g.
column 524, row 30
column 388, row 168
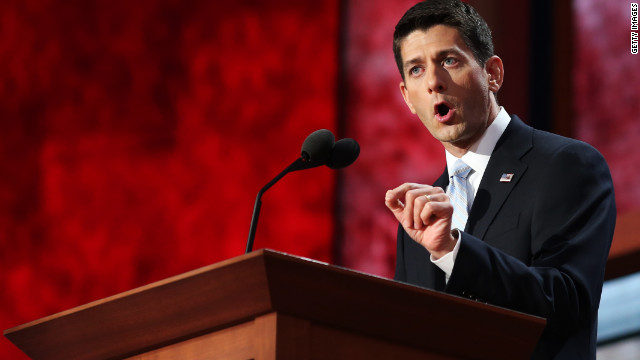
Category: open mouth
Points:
column 443, row 109
column 444, row 112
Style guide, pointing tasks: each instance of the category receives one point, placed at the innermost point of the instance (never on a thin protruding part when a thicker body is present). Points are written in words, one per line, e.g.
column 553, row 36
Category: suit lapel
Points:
column 505, row 159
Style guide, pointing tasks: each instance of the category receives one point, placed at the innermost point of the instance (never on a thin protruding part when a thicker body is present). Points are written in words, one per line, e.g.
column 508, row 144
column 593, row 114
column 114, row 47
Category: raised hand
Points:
column 425, row 214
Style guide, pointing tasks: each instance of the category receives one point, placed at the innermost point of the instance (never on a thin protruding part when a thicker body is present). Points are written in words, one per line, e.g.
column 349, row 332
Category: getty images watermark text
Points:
column 634, row 28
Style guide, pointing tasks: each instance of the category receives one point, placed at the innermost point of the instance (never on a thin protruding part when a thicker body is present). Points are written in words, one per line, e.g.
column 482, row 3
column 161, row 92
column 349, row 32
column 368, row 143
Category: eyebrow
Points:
column 441, row 53
column 409, row 63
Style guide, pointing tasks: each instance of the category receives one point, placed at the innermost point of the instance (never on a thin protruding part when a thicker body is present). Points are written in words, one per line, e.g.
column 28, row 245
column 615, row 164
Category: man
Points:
column 527, row 218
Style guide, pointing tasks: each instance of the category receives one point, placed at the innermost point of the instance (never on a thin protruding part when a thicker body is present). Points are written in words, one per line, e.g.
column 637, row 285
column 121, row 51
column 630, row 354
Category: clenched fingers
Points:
column 436, row 206
column 427, row 202
column 409, row 201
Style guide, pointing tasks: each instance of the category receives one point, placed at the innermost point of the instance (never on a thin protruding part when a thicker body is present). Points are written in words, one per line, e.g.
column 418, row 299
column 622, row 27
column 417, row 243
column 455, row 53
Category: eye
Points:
column 450, row 61
column 415, row 71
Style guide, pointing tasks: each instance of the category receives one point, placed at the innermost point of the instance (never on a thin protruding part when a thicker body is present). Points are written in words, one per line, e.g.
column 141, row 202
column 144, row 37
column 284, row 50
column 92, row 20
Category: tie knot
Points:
column 460, row 169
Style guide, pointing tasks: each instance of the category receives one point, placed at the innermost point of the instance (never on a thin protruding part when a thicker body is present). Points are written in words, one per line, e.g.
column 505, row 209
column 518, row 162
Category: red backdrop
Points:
column 135, row 135
column 607, row 92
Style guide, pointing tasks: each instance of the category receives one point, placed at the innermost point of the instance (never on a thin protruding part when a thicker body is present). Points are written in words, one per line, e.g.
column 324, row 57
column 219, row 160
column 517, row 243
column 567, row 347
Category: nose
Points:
column 436, row 80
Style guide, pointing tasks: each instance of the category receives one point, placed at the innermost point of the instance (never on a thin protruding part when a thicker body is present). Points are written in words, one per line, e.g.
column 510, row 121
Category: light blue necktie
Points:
column 458, row 194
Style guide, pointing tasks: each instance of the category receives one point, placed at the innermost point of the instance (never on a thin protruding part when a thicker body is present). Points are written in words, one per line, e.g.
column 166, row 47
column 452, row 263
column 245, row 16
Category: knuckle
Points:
column 412, row 194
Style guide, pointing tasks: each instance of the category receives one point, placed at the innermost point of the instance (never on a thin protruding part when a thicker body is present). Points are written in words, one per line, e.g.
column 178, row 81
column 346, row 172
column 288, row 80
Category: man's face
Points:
column 446, row 87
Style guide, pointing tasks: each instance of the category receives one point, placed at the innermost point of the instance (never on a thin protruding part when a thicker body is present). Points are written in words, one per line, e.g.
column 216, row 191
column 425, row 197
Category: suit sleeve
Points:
column 571, row 232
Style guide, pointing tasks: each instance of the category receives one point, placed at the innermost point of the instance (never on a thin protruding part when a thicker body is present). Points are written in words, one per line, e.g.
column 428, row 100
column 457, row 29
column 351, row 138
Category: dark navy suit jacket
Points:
column 537, row 244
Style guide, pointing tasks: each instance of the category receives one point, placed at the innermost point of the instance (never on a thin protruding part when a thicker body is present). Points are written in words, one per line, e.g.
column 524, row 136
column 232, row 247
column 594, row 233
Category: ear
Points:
column 495, row 70
column 405, row 96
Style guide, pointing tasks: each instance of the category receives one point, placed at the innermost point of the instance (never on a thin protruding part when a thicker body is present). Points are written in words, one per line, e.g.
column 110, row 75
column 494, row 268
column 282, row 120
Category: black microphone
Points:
column 344, row 153
column 319, row 148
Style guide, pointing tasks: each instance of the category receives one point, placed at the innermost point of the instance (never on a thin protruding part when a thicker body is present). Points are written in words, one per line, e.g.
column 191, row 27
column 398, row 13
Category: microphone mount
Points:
column 318, row 149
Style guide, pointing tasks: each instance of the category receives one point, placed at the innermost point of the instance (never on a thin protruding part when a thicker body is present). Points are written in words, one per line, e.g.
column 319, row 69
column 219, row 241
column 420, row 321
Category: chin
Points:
column 452, row 134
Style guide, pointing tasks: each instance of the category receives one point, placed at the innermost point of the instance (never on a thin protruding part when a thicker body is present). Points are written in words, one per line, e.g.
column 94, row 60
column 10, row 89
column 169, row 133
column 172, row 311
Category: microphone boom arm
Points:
column 299, row 164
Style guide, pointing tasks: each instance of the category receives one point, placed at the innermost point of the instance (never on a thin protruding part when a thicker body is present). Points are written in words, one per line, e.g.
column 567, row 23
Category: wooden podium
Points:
column 269, row 305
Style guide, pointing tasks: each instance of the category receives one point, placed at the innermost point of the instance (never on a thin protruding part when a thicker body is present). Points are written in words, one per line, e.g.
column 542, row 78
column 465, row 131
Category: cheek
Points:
column 477, row 92
column 474, row 83
column 418, row 104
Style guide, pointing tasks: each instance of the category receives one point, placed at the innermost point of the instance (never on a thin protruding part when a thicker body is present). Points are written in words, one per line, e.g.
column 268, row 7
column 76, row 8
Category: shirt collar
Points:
column 477, row 157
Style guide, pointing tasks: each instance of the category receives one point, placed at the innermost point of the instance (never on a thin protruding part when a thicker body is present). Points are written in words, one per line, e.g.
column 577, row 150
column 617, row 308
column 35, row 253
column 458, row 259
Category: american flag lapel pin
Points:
column 505, row 178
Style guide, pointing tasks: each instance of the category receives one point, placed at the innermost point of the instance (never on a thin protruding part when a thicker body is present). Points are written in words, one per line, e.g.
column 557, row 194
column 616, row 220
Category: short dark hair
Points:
column 472, row 28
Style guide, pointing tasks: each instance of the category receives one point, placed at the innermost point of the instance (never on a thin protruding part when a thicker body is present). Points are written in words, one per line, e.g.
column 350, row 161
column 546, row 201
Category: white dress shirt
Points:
column 477, row 157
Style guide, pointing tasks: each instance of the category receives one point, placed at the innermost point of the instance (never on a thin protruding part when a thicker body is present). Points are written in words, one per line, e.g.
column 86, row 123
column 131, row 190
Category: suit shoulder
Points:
column 554, row 145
